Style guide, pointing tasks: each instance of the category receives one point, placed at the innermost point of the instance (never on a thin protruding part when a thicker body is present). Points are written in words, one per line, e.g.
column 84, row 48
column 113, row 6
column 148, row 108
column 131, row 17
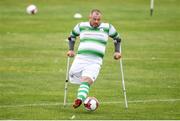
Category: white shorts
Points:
column 81, row 67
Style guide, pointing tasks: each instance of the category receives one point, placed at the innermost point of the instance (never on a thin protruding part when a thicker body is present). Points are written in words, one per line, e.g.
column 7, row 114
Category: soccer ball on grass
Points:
column 31, row 9
column 91, row 103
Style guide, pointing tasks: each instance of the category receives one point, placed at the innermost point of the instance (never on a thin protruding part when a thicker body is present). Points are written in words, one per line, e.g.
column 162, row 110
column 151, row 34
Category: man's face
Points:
column 95, row 19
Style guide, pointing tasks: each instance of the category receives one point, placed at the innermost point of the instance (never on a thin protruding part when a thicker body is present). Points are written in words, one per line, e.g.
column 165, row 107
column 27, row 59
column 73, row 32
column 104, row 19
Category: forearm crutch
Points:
column 66, row 81
column 123, row 82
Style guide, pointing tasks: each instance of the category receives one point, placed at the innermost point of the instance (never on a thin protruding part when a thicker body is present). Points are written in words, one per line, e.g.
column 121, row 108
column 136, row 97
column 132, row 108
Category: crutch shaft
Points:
column 123, row 82
column 66, row 82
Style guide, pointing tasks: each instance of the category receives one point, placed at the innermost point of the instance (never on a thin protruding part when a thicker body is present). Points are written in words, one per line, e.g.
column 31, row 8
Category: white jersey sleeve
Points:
column 112, row 32
column 76, row 31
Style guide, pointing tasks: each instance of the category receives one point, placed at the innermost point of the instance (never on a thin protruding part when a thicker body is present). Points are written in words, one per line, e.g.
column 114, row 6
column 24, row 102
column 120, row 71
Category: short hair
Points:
column 95, row 10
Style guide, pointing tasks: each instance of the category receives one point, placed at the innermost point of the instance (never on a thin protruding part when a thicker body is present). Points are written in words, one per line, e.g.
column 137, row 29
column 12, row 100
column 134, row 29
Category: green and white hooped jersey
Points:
column 93, row 40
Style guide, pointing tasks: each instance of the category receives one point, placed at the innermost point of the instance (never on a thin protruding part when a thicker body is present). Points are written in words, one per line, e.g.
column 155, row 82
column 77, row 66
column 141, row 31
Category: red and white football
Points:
column 91, row 103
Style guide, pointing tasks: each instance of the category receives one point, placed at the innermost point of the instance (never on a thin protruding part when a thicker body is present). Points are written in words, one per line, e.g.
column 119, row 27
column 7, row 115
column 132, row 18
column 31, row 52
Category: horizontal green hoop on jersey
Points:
column 93, row 40
column 101, row 29
column 91, row 52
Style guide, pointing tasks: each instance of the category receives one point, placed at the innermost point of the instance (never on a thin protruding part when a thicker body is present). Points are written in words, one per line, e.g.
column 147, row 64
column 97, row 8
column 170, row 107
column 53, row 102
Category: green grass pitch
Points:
column 33, row 60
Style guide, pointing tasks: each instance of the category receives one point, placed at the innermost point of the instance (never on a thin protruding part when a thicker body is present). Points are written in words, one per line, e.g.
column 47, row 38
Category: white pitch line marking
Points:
column 144, row 101
column 114, row 102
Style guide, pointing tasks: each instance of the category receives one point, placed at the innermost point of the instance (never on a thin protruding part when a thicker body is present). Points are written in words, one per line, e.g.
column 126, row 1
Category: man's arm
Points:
column 71, row 43
column 71, row 53
column 117, row 41
column 75, row 32
column 117, row 53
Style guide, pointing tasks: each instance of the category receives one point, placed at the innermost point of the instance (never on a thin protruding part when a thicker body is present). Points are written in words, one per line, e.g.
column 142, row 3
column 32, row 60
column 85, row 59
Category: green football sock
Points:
column 83, row 91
